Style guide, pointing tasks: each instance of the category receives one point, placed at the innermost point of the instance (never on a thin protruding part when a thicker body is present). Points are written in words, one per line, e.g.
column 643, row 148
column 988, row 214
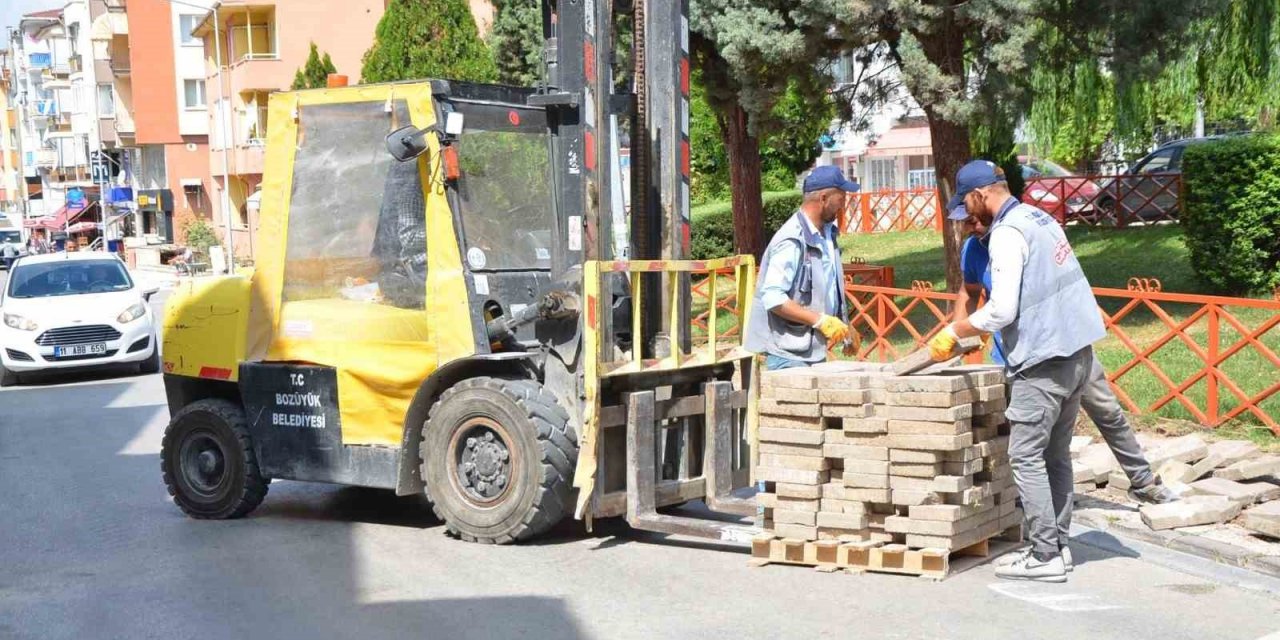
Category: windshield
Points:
column 68, row 278
column 505, row 191
column 14, row 237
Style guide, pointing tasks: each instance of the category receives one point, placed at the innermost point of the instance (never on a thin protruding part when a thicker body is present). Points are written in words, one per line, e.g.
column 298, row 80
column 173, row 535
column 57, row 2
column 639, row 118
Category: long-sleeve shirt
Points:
column 1009, row 252
column 784, row 258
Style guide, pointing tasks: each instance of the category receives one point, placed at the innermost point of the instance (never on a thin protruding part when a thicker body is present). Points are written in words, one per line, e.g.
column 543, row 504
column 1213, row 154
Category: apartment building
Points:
column 170, row 118
column 12, row 184
column 251, row 49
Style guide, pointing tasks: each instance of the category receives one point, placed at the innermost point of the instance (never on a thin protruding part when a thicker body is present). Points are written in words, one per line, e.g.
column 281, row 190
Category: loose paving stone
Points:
column 1249, row 469
column 1189, row 512
column 1245, row 492
column 1264, row 519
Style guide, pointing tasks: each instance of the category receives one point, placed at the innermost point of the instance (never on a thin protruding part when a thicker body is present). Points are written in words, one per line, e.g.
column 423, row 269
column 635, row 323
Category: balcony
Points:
column 246, row 159
column 46, row 158
column 260, row 75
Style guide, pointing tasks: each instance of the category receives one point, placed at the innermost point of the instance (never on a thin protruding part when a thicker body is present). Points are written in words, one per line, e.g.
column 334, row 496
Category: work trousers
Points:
column 1043, row 404
column 1100, row 404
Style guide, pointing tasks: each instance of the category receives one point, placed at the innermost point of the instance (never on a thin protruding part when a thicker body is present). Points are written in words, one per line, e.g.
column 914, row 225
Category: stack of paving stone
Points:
column 853, row 453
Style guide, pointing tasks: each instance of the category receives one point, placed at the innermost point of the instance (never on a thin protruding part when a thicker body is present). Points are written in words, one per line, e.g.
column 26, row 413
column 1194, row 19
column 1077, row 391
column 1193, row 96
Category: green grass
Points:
column 1110, row 257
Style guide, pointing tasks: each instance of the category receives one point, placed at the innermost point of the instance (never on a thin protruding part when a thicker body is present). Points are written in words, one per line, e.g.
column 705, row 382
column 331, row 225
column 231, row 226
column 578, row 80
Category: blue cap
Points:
column 975, row 175
column 959, row 213
column 828, row 177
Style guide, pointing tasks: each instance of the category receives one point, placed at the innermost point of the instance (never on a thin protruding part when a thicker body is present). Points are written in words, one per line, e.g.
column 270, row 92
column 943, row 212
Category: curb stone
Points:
column 1220, row 552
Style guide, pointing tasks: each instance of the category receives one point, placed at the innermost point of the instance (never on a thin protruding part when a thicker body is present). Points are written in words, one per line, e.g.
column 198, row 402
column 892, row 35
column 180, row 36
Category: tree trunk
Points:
column 950, row 151
column 943, row 45
column 743, row 151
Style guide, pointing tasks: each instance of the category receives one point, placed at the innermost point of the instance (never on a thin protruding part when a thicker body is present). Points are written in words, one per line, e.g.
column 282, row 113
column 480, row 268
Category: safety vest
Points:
column 1057, row 313
column 767, row 332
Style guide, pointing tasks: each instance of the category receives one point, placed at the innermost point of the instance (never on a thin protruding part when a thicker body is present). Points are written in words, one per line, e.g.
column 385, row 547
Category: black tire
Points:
column 151, row 364
column 7, row 377
column 521, row 455
column 208, row 461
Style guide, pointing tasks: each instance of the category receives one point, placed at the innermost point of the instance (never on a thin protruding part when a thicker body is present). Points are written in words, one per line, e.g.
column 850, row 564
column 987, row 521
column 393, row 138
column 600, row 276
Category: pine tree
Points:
column 314, row 74
column 516, row 41
column 419, row 39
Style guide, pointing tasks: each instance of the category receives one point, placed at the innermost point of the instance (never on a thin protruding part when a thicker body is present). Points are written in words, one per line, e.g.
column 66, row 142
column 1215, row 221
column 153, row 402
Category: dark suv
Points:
column 1150, row 189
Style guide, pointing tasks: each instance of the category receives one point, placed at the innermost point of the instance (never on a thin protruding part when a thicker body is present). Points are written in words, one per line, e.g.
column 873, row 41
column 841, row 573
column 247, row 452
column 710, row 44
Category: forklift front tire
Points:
column 209, row 463
column 497, row 460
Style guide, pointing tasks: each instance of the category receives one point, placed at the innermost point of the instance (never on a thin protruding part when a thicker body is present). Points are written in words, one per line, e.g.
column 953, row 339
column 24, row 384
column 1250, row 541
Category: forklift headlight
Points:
column 134, row 312
column 18, row 322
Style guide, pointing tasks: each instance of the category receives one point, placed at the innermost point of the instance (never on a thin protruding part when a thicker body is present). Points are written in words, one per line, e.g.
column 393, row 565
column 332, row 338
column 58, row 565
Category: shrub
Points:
column 711, row 235
column 200, row 235
column 1231, row 212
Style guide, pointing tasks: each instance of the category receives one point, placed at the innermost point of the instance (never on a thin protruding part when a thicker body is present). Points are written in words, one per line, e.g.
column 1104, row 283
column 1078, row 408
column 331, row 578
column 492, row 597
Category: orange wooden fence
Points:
column 1096, row 199
column 1211, row 359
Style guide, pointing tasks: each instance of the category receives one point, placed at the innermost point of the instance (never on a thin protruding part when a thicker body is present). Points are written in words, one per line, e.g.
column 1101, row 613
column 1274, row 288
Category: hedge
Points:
column 711, row 235
column 1231, row 211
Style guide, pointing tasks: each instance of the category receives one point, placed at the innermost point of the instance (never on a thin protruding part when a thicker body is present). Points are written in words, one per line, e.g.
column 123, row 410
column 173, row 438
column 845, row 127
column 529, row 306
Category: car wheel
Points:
column 151, row 364
column 497, row 460
column 208, row 461
column 1105, row 213
column 7, row 377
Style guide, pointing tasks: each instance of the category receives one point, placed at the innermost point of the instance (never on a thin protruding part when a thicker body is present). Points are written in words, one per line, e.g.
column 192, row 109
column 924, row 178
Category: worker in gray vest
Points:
column 1048, row 319
column 799, row 310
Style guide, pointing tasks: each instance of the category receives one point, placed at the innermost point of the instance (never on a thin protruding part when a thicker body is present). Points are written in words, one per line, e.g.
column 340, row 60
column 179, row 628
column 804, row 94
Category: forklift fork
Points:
column 717, row 470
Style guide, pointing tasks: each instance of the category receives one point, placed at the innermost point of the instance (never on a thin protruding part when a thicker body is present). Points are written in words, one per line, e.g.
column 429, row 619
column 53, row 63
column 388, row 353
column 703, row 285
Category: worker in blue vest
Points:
column 1098, row 400
column 1042, row 306
column 800, row 311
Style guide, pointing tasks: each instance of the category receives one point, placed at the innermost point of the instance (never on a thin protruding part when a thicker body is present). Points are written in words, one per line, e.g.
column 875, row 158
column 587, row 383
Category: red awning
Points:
column 58, row 220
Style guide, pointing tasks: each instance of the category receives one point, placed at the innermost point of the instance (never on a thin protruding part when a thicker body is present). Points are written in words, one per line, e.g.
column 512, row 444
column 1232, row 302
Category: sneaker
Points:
column 1011, row 557
column 1154, row 493
column 1014, row 556
column 1028, row 567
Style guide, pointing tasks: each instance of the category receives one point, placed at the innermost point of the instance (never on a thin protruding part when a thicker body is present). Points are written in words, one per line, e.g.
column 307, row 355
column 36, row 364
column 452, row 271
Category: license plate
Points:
column 94, row 349
column 1077, row 208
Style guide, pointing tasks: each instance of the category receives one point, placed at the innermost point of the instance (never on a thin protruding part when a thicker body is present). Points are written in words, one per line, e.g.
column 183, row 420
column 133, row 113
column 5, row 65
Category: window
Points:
column 507, row 207
column 1157, row 162
column 187, row 24
column 374, row 250
column 193, row 94
column 106, row 101
column 881, row 174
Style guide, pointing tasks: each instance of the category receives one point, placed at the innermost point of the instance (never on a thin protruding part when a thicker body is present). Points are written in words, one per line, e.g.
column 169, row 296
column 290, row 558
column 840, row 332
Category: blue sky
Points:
column 11, row 11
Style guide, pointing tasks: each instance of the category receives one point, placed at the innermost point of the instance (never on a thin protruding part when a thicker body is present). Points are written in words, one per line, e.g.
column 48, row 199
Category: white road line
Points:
column 1052, row 597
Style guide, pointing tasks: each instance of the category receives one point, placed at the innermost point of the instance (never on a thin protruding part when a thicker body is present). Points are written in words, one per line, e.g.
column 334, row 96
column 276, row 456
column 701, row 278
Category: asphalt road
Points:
column 91, row 547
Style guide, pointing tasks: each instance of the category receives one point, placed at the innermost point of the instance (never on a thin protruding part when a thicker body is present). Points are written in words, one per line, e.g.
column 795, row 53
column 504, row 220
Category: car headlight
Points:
column 134, row 312
column 18, row 322
column 1041, row 194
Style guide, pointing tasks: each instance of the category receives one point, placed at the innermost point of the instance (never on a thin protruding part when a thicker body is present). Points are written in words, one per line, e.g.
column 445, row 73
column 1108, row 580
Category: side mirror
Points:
column 406, row 143
column 146, row 295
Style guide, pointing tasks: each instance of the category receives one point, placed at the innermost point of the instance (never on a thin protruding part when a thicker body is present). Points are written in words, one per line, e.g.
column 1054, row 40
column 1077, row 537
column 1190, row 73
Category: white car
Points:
column 73, row 310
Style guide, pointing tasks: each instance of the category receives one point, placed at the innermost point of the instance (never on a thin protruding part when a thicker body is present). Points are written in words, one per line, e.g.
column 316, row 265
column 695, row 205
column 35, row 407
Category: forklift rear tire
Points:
column 498, row 460
column 209, row 463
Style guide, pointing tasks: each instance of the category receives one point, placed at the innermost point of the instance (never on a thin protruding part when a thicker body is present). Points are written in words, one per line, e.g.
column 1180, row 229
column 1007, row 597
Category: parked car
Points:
column 1057, row 191
column 1150, row 188
column 73, row 310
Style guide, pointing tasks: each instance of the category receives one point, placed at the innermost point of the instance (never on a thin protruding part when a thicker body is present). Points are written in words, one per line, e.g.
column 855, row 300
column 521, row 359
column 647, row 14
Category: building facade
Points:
column 251, row 49
column 12, row 184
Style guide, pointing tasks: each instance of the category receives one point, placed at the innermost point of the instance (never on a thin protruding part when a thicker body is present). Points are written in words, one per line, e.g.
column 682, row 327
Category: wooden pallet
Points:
column 859, row 557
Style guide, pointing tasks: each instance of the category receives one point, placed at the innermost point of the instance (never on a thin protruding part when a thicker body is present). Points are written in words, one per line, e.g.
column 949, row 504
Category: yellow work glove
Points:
column 943, row 344
column 986, row 340
column 834, row 330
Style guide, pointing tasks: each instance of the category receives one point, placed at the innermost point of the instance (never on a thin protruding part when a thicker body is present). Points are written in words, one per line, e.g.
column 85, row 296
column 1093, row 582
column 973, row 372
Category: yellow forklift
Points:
column 449, row 296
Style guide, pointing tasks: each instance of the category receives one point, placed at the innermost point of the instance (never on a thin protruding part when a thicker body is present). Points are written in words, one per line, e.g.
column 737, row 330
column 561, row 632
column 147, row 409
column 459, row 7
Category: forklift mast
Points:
column 581, row 97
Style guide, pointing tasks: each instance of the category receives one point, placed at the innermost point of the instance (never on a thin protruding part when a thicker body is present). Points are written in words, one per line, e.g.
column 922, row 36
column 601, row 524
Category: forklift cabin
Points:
column 442, row 301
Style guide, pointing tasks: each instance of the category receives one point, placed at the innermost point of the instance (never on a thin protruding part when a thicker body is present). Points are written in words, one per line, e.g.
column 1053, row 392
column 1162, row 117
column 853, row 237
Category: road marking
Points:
column 1052, row 597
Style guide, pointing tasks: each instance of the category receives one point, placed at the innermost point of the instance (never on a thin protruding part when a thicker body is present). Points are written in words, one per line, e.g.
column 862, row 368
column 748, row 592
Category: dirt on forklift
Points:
column 430, row 310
